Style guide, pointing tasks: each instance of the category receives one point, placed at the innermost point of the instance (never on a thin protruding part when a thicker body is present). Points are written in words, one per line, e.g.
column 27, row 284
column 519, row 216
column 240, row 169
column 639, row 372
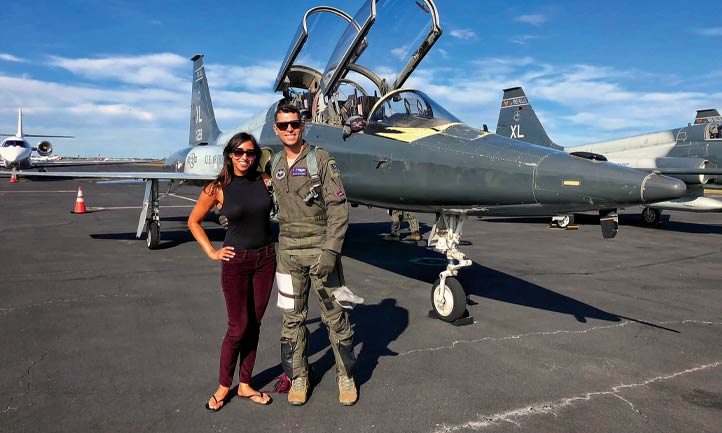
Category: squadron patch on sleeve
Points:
column 334, row 169
column 280, row 173
column 339, row 193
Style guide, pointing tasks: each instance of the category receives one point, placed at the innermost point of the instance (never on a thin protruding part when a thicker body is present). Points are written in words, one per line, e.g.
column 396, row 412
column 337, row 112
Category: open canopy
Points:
column 376, row 50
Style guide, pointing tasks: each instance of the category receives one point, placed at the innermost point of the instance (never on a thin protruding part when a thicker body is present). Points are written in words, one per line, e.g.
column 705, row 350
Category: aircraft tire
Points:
column 564, row 221
column 448, row 302
column 152, row 239
column 651, row 216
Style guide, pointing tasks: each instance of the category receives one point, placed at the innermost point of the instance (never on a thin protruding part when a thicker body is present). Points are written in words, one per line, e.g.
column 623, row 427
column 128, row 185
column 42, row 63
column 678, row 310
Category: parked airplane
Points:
column 398, row 148
column 16, row 152
column 709, row 115
column 692, row 153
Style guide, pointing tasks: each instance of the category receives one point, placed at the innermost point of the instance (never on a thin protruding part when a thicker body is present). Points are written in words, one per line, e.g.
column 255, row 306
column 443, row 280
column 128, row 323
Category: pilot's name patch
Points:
column 299, row 171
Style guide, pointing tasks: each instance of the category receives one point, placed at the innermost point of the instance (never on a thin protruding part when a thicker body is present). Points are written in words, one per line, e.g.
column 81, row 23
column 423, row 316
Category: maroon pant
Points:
column 247, row 281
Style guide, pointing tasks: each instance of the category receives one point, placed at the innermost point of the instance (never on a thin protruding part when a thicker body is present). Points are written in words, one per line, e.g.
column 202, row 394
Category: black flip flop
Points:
column 261, row 394
column 208, row 406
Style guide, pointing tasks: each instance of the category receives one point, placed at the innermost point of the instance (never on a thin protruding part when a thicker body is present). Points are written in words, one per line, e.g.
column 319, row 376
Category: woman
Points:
column 248, row 260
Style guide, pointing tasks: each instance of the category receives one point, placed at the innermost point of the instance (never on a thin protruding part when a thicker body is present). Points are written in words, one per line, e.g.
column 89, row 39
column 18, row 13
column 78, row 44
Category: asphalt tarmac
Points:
column 572, row 333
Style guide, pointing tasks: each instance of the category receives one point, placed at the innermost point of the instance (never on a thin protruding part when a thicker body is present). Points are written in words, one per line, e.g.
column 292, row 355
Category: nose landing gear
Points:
column 448, row 299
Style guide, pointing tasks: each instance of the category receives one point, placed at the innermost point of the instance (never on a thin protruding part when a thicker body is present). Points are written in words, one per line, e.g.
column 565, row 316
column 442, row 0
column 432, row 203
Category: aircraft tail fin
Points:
column 707, row 116
column 203, row 127
column 518, row 120
column 20, row 122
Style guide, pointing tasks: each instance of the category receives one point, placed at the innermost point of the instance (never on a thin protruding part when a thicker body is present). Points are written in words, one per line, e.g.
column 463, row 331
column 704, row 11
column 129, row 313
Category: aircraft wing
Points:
column 707, row 171
column 49, row 164
column 113, row 175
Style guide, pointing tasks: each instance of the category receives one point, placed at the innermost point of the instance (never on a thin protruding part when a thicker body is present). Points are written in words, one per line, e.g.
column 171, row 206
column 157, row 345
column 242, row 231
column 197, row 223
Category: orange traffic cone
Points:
column 13, row 178
column 80, row 202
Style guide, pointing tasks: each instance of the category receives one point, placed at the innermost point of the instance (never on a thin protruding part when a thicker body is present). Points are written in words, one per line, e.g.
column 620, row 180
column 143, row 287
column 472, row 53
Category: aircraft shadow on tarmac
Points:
column 624, row 220
column 364, row 243
column 177, row 234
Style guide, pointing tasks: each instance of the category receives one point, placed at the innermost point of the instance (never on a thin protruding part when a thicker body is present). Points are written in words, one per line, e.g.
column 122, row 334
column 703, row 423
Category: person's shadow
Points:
column 375, row 327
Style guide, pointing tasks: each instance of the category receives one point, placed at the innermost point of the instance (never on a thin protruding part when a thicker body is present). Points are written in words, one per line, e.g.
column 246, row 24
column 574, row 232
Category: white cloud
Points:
column 534, row 19
column 138, row 106
column 259, row 76
column 464, row 34
column 523, row 39
column 709, row 31
column 132, row 106
column 153, row 69
column 401, row 52
column 11, row 58
column 578, row 103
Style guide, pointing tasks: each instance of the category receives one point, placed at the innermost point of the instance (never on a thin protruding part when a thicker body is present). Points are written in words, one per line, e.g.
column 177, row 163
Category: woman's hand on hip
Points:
column 225, row 253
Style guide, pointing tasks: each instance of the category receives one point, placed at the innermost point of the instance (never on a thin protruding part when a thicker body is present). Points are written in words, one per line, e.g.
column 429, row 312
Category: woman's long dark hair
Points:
column 226, row 175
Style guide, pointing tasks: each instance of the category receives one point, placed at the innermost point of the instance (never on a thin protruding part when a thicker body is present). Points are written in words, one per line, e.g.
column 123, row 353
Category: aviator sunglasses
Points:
column 238, row 153
column 295, row 124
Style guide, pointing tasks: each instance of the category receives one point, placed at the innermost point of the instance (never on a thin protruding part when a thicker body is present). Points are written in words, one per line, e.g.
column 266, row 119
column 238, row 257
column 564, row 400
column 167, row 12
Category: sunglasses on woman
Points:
column 238, row 153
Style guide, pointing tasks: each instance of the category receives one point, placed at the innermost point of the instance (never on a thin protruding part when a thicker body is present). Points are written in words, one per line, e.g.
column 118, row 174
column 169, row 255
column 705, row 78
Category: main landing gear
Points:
column 150, row 221
column 448, row 298
column 651, row 216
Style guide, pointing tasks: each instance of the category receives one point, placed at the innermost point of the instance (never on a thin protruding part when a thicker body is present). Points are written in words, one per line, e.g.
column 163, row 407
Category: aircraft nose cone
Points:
column 661, row 188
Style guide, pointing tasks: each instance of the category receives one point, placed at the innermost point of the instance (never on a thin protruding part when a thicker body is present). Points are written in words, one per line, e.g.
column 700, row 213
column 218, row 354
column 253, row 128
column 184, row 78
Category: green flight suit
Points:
column 305, row 230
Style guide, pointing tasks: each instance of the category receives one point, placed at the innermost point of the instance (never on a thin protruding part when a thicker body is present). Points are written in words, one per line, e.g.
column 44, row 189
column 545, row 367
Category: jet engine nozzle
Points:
column 657, row 188
column 44, row 148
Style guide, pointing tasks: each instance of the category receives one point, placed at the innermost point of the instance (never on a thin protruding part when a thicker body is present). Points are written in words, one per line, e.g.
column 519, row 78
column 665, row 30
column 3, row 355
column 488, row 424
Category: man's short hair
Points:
column 288, row 108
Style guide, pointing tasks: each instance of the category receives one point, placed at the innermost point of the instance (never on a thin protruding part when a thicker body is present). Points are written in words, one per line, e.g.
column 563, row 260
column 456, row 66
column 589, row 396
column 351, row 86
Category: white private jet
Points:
column 15, row 150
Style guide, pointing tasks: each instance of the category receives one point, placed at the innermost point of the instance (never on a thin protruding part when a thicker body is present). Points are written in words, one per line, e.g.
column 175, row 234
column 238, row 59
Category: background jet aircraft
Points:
column 692, row 153
column 16, row 152
column 709, row 115
column 396, row 147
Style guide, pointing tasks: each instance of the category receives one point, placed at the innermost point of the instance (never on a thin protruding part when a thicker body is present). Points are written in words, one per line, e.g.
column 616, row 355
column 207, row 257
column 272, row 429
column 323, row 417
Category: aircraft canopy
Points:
column 375, row 51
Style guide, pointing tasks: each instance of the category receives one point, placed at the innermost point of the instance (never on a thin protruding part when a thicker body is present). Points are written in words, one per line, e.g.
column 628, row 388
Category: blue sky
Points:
column 116, row 73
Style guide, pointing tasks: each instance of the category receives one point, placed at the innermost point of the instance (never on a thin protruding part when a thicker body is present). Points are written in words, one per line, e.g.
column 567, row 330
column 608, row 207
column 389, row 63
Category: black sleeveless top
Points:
column 247, row 205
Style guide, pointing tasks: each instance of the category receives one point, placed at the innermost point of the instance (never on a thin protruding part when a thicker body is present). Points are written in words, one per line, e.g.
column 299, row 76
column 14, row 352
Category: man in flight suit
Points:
column 312, row 217
column 396, row 217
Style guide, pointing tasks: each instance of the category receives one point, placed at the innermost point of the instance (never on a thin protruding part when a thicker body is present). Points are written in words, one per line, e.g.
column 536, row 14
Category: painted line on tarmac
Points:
column 95, row 208
column 502, row 338
column 514, row 416
column 26, row 192
column 184, row 198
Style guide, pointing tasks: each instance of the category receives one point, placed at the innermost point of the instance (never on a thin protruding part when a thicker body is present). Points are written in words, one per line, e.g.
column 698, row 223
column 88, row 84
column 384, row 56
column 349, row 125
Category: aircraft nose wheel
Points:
column 152, row 239
column 448, row 299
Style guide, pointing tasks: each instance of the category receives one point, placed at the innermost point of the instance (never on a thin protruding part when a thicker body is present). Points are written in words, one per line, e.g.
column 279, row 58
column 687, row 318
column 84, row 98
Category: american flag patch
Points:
column 339, row 193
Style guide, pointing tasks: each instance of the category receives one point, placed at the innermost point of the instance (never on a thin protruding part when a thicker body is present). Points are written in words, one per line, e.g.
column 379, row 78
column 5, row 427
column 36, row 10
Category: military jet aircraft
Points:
column 692, row 153
column 397, row 147
column 708, row 115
